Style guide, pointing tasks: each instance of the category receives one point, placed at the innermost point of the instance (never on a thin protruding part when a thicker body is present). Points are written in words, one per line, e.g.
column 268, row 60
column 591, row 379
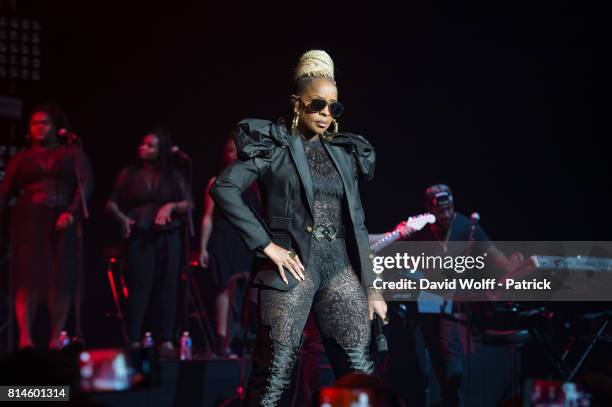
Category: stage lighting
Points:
column 20, row 40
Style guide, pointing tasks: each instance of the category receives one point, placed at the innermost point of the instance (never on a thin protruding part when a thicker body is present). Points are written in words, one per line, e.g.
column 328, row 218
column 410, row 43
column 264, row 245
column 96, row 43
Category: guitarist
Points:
column 452, row 226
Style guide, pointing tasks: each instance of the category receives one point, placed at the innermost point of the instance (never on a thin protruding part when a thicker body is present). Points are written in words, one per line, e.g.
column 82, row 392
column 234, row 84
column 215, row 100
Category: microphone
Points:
column 179, row 153
column 379, row 335
column 474, row 218
column 68, row 136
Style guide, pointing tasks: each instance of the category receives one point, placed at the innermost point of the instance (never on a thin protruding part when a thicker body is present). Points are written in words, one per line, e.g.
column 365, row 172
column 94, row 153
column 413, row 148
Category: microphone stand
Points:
column 468, row 317
column 74, row 143
column 188, row 233
column 189, row 177
column 473, row 220
column 191, row 290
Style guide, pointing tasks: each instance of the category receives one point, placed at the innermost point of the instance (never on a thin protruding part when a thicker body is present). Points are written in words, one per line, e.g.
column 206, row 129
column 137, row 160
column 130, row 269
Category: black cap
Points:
column 438, row 196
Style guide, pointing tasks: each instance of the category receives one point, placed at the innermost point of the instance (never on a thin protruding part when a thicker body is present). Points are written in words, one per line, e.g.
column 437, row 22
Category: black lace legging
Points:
column 339, row 304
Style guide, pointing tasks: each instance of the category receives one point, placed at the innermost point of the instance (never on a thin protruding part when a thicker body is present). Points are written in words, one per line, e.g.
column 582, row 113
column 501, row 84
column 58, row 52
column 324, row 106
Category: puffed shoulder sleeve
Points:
column 257, row 138
column 361, row 150
column 256, row 143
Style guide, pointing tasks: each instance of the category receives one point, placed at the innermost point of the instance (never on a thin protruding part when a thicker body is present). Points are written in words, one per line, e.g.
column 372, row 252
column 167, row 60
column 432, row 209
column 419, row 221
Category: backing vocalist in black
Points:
column 226, row 257
column 149, row 200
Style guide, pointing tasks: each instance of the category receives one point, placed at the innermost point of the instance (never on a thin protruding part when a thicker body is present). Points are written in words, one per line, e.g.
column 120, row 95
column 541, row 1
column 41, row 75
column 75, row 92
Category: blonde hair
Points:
column 315, row 64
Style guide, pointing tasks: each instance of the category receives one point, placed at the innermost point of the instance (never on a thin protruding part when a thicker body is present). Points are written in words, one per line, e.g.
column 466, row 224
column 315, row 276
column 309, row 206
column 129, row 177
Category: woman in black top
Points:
column 312, row 231
column 149, row 200
column 224, row 254
column 46, row 235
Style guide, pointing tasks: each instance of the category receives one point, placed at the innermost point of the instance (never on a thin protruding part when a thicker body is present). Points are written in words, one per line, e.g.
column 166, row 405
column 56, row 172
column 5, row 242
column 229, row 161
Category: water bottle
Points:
column 147, row 342
column 186, row 346
column 64, row 340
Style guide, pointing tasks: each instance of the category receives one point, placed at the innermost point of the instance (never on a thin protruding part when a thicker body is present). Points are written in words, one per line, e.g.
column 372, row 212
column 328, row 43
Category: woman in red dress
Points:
column 46, row 221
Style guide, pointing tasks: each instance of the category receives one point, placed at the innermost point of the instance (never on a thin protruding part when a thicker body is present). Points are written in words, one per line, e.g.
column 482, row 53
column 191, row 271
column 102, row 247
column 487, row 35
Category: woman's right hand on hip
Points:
column 285, row 260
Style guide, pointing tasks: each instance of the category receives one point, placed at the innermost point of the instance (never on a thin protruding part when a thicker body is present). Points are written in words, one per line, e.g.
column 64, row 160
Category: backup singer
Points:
column 312, row 231
column 149, row 200
column 46, row 223
column 224, row 253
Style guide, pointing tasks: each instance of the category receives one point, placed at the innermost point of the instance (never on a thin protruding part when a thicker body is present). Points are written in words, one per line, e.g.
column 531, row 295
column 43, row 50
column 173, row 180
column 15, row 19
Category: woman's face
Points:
column 41, row 128
column 230, row 154
column 316, row 122
column 149, row 148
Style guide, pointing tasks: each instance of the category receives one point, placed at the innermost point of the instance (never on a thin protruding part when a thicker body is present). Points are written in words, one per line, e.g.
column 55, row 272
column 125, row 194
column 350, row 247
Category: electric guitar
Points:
column 413, row 224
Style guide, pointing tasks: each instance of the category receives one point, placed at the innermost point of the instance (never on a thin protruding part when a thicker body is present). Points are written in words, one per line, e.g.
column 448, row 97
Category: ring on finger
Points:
column 291, row 253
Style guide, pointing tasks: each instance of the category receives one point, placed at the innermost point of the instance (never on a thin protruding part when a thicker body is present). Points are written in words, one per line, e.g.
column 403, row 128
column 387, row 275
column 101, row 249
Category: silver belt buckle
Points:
column 328, row 232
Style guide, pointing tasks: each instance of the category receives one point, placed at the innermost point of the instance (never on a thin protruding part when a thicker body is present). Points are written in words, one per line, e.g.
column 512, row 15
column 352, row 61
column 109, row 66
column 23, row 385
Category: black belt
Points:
column 49, row 199
column 329, row 232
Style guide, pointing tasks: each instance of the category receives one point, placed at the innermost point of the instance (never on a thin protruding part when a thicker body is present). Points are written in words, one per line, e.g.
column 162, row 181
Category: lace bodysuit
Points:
column 327, row 258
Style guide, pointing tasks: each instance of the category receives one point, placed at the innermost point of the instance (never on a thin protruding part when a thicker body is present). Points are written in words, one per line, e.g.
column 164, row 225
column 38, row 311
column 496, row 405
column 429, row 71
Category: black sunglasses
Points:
column 335, row 108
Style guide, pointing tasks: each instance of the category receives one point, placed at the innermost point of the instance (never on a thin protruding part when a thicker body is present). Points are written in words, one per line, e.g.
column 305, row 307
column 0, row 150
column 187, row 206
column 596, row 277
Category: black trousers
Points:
column 446, row 341
column 153, row 260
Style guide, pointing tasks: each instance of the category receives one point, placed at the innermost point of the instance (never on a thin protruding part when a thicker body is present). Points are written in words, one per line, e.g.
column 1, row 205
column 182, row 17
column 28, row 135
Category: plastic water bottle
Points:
column 147, row 342
column 186, row 346
column 63, row 340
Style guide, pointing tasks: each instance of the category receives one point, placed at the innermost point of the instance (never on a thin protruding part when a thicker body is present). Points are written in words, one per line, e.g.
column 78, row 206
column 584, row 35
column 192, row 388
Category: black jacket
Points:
column 276, row 160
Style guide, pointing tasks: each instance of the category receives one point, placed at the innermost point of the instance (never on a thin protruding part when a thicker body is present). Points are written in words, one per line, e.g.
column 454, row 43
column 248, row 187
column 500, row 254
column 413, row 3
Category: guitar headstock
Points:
column 418, row 222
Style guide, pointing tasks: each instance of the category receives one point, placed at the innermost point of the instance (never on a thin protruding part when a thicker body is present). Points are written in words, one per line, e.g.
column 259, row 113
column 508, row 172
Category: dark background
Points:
column 493, row 100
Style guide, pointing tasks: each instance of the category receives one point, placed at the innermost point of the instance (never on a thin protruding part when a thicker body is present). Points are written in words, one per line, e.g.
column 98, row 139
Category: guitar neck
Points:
column 412, row 225
column 387, row 240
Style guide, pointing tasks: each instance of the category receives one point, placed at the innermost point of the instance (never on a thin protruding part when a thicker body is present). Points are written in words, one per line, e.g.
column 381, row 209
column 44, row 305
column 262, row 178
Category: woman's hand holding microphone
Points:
column 377, row 306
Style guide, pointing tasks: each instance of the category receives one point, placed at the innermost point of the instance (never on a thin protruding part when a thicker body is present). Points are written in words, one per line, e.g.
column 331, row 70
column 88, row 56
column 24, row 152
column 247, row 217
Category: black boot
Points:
column 272, row 366
column 348, row 360
column 222, row 350
column 451, row 391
